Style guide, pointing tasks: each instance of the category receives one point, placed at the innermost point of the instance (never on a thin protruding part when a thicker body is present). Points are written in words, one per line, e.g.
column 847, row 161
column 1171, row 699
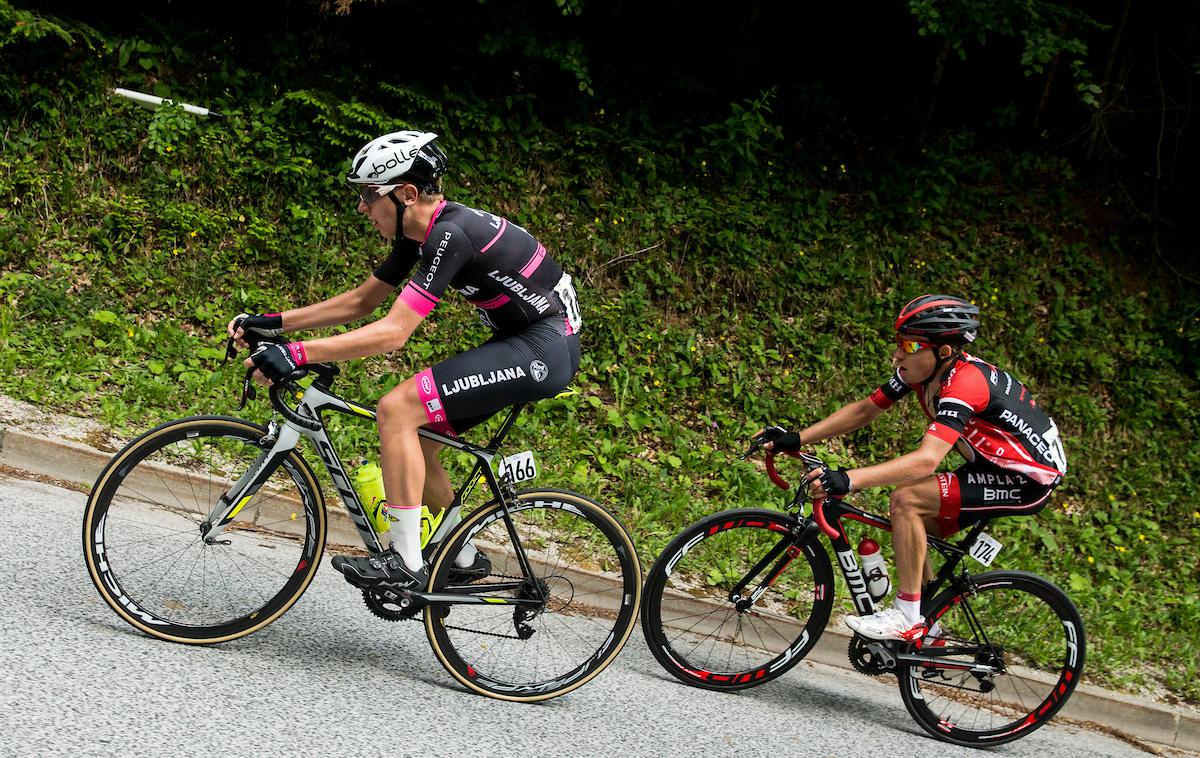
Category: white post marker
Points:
column 154, row 103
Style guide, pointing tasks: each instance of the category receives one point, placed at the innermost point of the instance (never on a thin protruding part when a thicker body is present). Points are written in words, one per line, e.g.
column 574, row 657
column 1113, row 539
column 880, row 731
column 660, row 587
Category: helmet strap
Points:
column 400, row 208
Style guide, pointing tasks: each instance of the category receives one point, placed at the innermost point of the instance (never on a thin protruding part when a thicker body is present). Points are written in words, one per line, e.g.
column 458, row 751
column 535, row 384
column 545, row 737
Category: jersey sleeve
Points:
column 405, row 254
column 890, row 392
column 445, row 252
column 964, row 394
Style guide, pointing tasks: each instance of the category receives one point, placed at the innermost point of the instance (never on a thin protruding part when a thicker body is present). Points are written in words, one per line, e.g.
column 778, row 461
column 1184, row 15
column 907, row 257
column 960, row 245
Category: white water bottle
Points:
column 874, row 569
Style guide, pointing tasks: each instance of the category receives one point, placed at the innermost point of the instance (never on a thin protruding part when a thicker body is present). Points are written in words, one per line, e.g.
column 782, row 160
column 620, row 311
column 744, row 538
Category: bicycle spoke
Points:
column 181, row 586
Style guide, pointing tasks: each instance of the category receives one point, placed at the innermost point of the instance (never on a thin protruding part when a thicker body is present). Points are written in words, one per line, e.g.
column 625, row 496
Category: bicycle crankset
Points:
column 388, row 608
column 867, row 661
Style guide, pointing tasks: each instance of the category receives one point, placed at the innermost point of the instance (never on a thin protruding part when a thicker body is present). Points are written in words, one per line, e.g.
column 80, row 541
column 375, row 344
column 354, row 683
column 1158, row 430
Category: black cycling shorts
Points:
column 469, row 388
column 980, row 489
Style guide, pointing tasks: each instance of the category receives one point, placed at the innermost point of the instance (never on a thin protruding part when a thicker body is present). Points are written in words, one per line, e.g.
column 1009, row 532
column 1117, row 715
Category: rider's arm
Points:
column 843, row 420
column 918, row 464
column 383, row 336
column 351, row 305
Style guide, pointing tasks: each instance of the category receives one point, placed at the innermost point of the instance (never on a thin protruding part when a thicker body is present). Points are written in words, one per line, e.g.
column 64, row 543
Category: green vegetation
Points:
column 728, row 279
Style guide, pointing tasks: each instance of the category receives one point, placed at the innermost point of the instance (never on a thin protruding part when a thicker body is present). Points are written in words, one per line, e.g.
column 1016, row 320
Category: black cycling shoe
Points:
column 479, row 568
column 386, row 571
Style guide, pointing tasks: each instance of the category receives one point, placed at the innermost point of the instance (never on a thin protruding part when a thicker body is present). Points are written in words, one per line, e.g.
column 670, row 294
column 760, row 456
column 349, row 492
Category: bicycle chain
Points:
column 375, row 605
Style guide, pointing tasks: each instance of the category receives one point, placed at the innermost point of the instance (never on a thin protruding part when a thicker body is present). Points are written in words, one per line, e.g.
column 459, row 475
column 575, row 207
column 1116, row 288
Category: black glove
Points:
column 781, row 438
column 277, row 361
column 264, row 324
column 835, row 482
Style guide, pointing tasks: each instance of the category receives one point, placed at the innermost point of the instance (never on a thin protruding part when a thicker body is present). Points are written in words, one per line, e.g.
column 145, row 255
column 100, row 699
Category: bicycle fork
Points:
column 784, row 552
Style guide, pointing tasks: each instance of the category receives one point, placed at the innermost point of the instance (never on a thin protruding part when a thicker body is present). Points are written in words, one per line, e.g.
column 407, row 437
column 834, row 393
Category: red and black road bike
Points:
column 740, row 597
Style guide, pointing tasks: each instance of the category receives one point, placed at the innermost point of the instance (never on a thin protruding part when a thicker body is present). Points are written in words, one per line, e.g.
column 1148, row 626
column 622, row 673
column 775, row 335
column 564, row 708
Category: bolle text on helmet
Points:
column 399, row 158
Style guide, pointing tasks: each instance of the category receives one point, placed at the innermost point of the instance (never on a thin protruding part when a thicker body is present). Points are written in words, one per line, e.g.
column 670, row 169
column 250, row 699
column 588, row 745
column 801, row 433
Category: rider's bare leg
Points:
column 399, row 415
column 438, row 491
column 439, row 494
column 913, row 508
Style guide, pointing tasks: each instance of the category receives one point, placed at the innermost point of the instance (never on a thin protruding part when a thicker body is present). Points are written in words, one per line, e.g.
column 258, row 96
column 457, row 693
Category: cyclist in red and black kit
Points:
column 1012, row 448
column 522, row 295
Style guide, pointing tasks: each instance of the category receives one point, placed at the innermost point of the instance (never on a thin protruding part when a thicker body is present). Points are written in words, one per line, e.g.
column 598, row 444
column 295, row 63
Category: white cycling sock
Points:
column 909, row 605
column 406, row 533
column 466, row 556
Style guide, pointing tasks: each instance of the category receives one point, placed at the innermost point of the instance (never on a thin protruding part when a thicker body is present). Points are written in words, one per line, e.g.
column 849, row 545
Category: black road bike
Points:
column 206, row 529
column 740, row 597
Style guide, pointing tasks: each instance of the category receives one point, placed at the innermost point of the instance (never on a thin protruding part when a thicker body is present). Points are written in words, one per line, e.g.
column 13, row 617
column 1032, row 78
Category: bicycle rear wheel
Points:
column 705, row 635
column 142, row 540
column 584, row 567
column 1026, row 639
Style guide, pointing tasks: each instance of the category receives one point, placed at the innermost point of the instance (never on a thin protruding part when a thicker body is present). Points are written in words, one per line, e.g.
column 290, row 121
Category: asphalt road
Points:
column 329, row 678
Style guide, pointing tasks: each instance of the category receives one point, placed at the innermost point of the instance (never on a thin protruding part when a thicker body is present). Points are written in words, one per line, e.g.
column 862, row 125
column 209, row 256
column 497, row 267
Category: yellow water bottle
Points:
column 368, row 483
column 429, row 524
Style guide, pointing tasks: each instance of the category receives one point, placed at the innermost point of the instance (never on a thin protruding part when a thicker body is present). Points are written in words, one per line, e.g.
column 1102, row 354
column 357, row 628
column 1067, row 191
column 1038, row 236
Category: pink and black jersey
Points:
column 991, row 412
column 496, row 265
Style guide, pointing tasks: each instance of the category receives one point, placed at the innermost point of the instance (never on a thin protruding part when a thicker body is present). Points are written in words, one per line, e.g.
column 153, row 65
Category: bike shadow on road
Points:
column 802, row 687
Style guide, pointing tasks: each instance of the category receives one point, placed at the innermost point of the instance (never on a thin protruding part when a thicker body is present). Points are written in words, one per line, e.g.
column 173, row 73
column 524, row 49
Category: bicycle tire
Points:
column 1030, row 627
column 698, row 633
column 143, row 547
column 583, row 558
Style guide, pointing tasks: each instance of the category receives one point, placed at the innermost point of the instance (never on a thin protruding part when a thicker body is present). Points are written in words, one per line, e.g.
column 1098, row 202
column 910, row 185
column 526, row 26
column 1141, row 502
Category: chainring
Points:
column 387, row 609
column 863, row 660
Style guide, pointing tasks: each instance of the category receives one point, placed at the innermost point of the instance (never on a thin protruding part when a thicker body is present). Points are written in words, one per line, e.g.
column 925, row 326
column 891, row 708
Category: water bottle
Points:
column 368, row 483
column 874, row 569
column 429, row 524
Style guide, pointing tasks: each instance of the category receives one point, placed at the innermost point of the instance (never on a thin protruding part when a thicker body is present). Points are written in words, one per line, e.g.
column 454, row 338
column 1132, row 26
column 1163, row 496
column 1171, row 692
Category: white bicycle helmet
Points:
column 399, row 158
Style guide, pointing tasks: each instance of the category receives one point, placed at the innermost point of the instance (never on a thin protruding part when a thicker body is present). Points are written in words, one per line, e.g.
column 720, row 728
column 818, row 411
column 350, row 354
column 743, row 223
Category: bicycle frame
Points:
column 826, row 519
column 315, row 400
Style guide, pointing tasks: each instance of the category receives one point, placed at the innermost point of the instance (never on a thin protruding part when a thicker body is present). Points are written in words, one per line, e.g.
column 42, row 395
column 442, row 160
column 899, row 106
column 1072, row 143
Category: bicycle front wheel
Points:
column 585, row 579
column 1009, row 654
column 733, row 601
column 142, row 533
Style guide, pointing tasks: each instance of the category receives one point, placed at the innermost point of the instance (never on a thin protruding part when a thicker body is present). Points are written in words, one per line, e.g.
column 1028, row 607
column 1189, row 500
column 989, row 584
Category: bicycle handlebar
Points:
column 324, row 371
column 288, row 385
column 770, row 434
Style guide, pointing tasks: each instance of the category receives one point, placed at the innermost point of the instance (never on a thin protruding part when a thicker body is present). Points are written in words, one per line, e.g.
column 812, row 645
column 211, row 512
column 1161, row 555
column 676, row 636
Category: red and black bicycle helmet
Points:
column 942, row 319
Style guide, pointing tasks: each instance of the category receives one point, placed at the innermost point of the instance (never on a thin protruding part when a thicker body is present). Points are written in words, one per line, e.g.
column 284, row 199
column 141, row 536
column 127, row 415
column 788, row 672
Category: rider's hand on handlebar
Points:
column 828, row 482
column 275, row 362
column 778, row 438
column 262, row 325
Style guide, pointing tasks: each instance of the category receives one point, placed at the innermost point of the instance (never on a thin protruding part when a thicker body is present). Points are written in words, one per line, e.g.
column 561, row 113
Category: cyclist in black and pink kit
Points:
column 1013, row 451
column 521, row 292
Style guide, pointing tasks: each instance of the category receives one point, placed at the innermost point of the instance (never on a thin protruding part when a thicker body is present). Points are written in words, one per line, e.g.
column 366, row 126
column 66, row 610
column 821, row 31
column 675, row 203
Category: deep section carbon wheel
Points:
column 583, row 593
column 1009, row 656
column 734, row 602
column 143, row 542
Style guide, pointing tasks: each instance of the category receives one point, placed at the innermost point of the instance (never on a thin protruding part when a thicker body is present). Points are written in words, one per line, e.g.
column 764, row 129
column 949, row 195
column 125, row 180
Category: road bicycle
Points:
column 208, row 528
column 740, row 597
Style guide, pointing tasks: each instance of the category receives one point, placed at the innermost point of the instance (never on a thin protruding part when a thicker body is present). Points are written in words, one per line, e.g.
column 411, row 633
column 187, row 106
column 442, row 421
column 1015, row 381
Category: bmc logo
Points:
column 398, row 158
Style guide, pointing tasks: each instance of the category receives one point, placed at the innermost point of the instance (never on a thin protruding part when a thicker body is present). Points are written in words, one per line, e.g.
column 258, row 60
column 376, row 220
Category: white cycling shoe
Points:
column 888, row 624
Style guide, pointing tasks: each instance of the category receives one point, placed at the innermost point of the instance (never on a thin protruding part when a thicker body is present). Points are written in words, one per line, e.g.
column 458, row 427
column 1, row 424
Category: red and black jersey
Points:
column 993, row 413
column 496, row 265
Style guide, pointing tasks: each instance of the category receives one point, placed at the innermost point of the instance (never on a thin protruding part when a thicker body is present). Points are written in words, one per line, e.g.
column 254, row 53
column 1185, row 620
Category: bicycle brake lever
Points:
column 248, row 391
column 754, row 448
